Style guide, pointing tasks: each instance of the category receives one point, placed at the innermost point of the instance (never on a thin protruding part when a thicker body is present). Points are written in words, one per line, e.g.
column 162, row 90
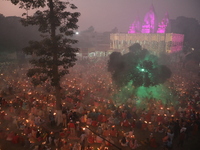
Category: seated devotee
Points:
column 90, row 138
column 89, row 121
column 111, row 141
column 2, row 134
column 116, row 121
column 99, row 130
column 27, row 143
column 133, row 123
column 123, row 114
column 10, row 136
column 51, row 118
column 36, row 147
column 160, row 118
column 12, row 109
column 41, row 113
column 104, row 119
column 100, row 117
column 106, row 132
column 160, row 128
column 99, row 139
column 133, row 144
column 21, row 126
column 170, row 134
column 8, row 117
column 27, row 130
column 129, row 115
column 76, row 146
column 64, row 119
column 125, row 123
column 144, row 125
column 152, row 141
column 113, row 132
column 123, row 141
column 195, row 128
column 165, row 139
column 89, row 148
column 38, row 120
column 65, row 146
column 153, row 117
column 71, row 126
column 108, row 112
column 80, row 110
column 83, row 118
column 104, row 125
column 129, row 134
column 138, row 124
column 15, row 139
column 15, row 122
column 183, row 129
column 62, row 134
column 150, row 127
column 94, row 123
column 33, row 132
column 111, row 120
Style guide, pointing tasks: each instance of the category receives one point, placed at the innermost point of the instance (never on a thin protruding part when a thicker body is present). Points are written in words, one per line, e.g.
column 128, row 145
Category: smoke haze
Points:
column 104, row 15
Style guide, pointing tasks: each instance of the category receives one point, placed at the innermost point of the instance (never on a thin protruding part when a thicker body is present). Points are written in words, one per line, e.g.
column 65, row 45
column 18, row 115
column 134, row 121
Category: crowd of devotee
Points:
column 91, row 118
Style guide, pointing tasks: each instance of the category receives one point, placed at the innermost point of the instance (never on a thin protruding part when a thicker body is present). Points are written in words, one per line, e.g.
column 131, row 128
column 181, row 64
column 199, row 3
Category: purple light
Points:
column 150, row 23
column 136, row 26
column 163, row 24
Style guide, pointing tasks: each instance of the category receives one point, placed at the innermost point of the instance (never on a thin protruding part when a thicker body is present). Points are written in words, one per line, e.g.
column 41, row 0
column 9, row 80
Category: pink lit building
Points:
column 156, row 43
column 150, row 34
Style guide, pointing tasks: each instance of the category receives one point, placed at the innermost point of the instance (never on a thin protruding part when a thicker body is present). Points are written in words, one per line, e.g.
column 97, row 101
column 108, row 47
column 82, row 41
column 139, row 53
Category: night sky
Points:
column 104, row 15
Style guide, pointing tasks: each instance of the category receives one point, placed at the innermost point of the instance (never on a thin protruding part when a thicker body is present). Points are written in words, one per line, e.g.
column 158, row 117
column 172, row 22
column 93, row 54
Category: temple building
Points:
column 151, row 34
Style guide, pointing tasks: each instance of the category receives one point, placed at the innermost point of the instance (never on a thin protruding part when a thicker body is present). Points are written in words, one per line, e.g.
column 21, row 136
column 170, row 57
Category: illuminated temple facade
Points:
column 150, row 34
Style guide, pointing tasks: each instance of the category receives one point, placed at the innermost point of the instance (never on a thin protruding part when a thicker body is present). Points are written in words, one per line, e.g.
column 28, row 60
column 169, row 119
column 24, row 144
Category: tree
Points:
column 190, row 28
column 14, row 37
column 55, row 54
column 138, row 67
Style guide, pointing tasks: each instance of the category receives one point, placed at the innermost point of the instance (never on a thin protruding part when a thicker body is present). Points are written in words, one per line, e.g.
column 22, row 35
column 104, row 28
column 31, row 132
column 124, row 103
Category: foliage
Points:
column 138, row 66
column 54, row 53
column 190, row 27
column 14, row 37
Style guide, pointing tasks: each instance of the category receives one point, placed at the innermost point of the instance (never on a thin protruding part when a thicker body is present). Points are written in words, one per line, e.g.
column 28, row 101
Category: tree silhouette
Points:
column 190, row 27
column 14, row 36
column 138, row 66
column 54, row 53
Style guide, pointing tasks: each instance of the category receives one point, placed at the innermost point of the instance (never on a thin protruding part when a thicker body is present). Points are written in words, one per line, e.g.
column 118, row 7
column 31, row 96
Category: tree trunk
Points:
column 58, row 117
column 56, row 79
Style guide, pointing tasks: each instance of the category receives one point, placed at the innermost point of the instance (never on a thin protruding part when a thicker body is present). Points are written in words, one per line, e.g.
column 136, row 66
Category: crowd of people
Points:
column 91, row 119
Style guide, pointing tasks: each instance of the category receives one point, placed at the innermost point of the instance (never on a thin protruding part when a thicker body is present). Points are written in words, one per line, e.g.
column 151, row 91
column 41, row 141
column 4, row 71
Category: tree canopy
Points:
column 190, row 27
column 14, row 36
column 54, row 53
column 138, row 66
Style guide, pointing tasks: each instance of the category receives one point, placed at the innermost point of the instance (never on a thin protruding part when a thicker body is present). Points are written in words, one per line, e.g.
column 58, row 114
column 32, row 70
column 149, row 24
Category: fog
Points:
column 104, row 15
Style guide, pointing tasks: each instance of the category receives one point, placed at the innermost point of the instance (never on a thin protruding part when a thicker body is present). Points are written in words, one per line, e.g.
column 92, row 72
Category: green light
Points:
column 142, row 70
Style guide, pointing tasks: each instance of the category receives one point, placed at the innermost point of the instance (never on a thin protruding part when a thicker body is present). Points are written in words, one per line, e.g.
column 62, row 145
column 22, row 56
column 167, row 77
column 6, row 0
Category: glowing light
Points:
column 142, row 70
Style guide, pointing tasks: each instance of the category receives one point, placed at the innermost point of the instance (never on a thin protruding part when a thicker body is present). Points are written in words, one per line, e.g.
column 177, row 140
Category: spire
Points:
column 167, row 15
column 163, row 24
column 150, row 19
column 152, row 8
column 136, row 26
